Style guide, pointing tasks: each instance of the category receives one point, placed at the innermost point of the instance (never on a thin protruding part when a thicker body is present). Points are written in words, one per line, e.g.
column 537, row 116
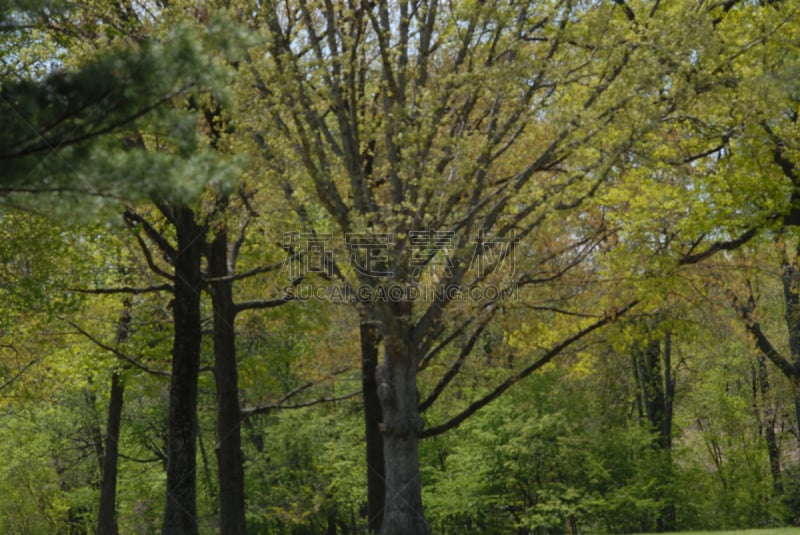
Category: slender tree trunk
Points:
column 657, row 392
column 648, row 368
column 668, row 518
column 767, row 415
column 791, row 296
column 230, row 460
column 669, row 394
column 397, row 390
column 788, row 366
column 180, row 512
column 255, row 437
column 774, row 455
column 796, row 391
column 107, row 513
column 376, row 486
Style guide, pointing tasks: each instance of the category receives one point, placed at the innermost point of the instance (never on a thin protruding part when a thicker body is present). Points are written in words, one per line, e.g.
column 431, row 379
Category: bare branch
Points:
column 265, row 409
column 133, row 219
column 726, row 245
column 148, row 256
column 268, row 303
column 745, row 308
column 122, row 356
column 281, row 403
column 124, row 290
column 19, row 373
column 145, row 249
column 456, row 366
column 525, row 372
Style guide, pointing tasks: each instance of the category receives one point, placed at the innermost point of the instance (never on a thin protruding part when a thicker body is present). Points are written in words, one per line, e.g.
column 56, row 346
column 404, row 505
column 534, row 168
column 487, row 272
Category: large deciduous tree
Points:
column 434, row 136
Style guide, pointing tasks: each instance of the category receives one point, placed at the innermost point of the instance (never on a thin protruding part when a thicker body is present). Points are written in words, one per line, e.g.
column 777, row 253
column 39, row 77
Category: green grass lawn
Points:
column 775, row 531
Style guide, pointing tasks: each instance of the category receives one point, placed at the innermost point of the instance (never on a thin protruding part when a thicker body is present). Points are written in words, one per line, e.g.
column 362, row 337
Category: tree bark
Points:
column 107, row 514
column 657, row 391
column 648, row 364
column 402, row 425
column 230, row 469
column 766, row 413
column 791, row 295
column 180, row 512
column 376, row 476
column 789, row 367
column 667, row 519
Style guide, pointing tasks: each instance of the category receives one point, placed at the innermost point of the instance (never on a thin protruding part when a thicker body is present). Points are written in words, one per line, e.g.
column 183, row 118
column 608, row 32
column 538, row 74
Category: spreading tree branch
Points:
column 122, row 356
column 714, row 248
column 266, row 409
column 525, row 372
column 125, row 290
column 745, row 308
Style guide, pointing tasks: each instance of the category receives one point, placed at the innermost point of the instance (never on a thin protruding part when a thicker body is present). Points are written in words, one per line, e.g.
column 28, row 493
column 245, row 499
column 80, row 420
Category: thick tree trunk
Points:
column 230, row 469
column 376, row 487
column 402, row 425
column 180, row 512
column 107, row 514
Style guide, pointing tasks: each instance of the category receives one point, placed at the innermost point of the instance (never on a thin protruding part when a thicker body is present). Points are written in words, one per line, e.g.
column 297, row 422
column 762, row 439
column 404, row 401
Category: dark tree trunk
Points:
column 766, row 415
column 376, row 488
column 791, row 295
column 180, row 512
column 789, row 367
column 648, row 364
column 107, row 514
column 796, row 390
column 667, row 520
column 669, row 394
column 657, row 390
column 230, row 460
column 402, row 425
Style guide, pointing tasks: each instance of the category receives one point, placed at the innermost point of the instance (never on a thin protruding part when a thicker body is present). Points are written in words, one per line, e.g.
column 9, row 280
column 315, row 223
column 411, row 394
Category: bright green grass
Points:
column 775, row 531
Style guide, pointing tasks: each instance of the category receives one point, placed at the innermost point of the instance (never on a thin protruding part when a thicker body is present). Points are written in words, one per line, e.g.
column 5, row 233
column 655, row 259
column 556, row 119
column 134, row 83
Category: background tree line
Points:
column 626, row 169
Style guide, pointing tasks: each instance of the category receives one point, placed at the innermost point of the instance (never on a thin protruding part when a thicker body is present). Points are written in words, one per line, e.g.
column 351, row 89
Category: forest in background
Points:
column 349, row 266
